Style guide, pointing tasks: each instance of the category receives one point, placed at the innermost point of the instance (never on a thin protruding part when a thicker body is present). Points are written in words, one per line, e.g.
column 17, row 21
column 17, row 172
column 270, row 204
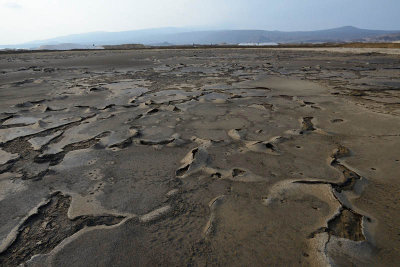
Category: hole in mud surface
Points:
column 183, row 170
column 43, row 231
column 194, row 152
column 270, row 146
column 336, row 120
column 97, row 89
column 153, row 111
column 217, row 175
column 237, row 172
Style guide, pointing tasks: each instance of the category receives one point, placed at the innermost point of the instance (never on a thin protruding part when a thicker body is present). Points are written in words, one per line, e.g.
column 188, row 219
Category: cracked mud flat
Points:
column 199, row 157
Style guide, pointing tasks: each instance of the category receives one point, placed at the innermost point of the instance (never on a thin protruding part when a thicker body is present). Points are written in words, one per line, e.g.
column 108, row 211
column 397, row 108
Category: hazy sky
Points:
column 26, row 20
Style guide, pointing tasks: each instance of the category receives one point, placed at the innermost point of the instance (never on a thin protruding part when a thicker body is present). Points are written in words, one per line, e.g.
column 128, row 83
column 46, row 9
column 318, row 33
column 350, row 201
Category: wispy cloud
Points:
column 12, row 5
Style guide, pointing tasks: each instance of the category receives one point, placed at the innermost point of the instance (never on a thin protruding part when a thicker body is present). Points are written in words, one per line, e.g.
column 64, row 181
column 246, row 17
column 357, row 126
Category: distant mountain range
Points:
column 178, row 36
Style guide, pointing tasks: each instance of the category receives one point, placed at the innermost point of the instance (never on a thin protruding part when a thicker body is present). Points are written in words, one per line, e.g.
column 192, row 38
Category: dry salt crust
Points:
column 200, row 157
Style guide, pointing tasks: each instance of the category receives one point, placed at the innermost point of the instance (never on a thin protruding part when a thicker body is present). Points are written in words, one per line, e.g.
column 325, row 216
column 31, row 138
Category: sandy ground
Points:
column 234, row 157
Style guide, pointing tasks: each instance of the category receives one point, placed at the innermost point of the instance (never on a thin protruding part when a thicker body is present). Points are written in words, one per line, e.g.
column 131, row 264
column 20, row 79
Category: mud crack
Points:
column 350, row 177
column 347, row 223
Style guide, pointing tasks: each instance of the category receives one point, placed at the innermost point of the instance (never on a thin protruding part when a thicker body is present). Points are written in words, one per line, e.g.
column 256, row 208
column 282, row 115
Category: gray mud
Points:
column 199, row 157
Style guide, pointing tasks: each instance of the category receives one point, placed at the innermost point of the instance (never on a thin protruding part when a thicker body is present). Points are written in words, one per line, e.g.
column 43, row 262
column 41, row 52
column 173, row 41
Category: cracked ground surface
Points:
column 199, row 157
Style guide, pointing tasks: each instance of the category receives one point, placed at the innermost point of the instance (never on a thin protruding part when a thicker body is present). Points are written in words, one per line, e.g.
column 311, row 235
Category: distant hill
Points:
column 68, row 46
column 343, row 34
column 177, row 36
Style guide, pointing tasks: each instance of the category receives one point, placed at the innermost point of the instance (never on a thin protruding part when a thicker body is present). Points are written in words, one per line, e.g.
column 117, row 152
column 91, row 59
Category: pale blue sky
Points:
column 26, row 20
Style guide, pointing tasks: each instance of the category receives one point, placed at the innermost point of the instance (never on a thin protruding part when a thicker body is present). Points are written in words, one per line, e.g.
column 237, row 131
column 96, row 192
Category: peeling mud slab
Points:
column 6, row 157
column 43, row 231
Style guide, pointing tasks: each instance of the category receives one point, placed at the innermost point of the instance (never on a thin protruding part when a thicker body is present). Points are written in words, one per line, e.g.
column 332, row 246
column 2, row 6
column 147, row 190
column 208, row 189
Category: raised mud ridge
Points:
column 43, row 231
